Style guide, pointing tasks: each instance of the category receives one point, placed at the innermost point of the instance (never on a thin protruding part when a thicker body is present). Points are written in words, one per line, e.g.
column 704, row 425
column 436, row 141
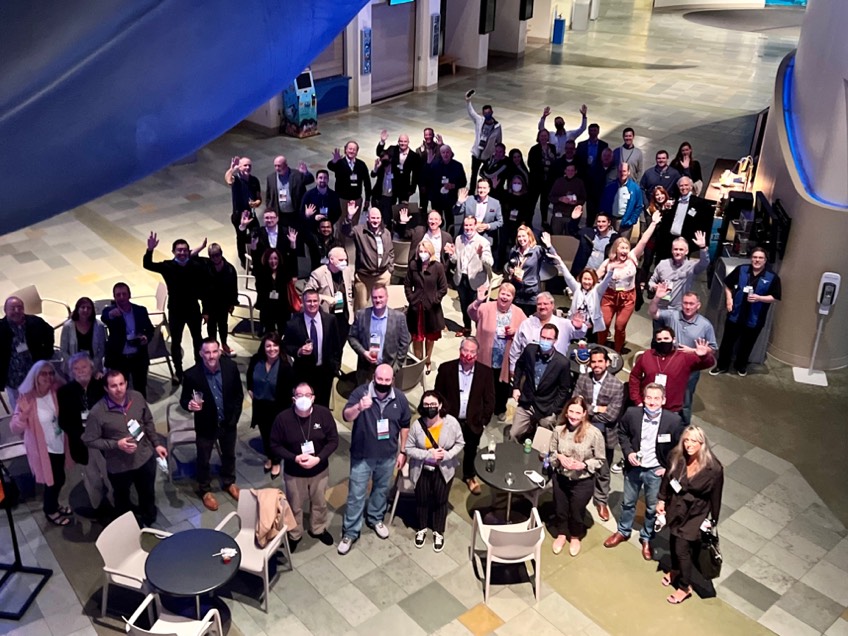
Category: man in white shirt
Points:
column 528, row 332
column 561, row 135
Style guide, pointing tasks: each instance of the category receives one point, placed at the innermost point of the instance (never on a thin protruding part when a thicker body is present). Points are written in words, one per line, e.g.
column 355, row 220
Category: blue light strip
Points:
column 795, row 148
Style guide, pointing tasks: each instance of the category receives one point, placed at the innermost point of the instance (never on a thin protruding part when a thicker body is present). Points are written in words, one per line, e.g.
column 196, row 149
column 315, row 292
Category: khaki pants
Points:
column 299, row 490
column 362, row 286
column 525, row 422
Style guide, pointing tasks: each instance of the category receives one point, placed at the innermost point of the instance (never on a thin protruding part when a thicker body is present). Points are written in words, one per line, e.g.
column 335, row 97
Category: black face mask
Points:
column 430, row 411
column 382, row 388
column 663, row 348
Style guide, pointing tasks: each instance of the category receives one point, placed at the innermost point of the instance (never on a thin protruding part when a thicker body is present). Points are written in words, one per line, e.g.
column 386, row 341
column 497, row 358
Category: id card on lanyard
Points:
column 379, row 241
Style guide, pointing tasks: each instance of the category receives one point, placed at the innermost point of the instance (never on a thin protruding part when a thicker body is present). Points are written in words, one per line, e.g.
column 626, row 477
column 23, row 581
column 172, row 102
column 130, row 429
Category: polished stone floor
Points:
column 786, row 552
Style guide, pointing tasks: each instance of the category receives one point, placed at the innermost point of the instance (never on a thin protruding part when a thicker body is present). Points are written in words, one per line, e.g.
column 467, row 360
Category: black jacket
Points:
column 118, row 333
column 481, row 400
column 296, row 336
column 346, row 187
column 555, row 385
column 407, row 176
column 285, row 381
column 71, row 405
column 630, row 434
column 39, row 338
column 206, row 420
column 186, row 283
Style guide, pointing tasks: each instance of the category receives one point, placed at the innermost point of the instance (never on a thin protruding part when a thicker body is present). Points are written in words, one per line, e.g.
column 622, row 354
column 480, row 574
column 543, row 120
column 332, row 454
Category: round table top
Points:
column 616, row 361
column 183, row 565
column 509, row 458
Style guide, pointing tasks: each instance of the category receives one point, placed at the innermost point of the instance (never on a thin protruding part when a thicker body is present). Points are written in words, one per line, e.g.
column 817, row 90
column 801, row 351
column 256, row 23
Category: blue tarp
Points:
column 97, row 94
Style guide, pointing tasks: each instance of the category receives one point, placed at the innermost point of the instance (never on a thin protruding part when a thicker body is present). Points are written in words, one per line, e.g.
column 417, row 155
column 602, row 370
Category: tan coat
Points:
column 274, row 514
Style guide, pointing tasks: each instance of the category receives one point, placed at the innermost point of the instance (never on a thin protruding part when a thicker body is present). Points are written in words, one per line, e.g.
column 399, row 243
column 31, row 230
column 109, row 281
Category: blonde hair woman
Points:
column 690, row 498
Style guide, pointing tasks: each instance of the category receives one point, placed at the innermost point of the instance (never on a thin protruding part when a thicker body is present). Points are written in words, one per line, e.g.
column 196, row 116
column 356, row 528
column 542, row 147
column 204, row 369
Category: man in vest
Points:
column 750, row 291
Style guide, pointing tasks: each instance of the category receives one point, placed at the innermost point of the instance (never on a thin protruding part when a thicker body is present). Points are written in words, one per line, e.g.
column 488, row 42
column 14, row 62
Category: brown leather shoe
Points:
column 473, row 485
column 210, row 502
column 233, row 491
column 646, row 550
column 603, row 512
column 614, row 539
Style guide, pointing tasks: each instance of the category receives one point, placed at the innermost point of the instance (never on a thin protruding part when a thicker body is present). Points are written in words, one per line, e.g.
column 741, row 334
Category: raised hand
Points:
column 656, row 217
column 450, row 249
column 583, row 110
column 577, row 212
column 483, row 292
column 462, row 195
column 152, row 242
column 479, row 249
column 235, row 162
column 384, row 134
column 292, row 236
column 403, row 215
column 700, row 239
column 376, row 163
column 662, row 289
column 245, row 217
column 439, row 140
column 546, row 239
column 702, row 347
column 310, row 210
column 337, row 156
column 351, row 208
column 546, row 111
column 302, row 167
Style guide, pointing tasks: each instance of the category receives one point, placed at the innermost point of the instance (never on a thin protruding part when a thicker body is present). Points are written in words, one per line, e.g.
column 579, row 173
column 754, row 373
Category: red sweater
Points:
column 677, row 367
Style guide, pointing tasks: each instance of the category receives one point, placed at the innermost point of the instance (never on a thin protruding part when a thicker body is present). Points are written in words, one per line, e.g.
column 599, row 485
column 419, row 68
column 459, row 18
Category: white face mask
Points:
column 303, row 403
column 424, row 256
column 342, row 265
column 516, row 187
column 470, row 235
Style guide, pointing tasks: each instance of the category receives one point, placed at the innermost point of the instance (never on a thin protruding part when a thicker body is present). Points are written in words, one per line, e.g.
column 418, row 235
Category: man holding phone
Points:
column 247, row 196
column 130, row 330
column 121, row 426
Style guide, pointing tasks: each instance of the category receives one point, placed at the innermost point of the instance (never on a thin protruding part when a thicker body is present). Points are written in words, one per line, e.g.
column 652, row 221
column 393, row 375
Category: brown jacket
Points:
column 274, row 516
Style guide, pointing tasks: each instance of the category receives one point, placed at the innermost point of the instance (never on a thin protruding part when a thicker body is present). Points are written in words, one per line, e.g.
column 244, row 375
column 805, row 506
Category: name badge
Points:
column 664, row 438
column 338, row 303
column 84, row 416
column 747, row 289
column 375, row 343
column 322, row 211
column 667, row 297
column 692, row 212
column 274, row 294
column 513, row 215
column 135, row 430
column 382, row 429
column 675, row 485
column 661, row 379
column 307, row 448
column 500, row 332
column 518, row 273
column 354, row 177
column 284, row 196
column 22, row 348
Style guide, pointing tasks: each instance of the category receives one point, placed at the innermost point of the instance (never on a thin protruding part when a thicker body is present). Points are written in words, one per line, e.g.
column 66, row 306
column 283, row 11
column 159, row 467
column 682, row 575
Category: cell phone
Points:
column 470, row 93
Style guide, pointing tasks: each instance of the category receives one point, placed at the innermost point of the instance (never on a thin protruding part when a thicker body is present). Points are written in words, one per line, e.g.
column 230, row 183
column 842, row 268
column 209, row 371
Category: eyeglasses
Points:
column 427, row 405
column 306, row 395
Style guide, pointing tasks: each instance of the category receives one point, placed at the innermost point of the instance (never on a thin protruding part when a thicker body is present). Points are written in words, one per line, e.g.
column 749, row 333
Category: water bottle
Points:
column 528, row 446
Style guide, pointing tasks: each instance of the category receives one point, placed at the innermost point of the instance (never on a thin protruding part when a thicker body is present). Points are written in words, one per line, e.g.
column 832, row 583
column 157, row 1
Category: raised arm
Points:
column 646, row 236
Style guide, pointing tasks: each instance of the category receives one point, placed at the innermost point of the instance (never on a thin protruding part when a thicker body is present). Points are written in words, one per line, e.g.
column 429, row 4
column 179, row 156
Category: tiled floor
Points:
column 786, row 555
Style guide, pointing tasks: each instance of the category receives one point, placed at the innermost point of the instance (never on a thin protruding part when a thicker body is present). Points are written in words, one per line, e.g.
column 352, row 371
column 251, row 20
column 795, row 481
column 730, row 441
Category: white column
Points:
column 360, row 85
column 426, row 65
column 510, row 34
column 462, row 39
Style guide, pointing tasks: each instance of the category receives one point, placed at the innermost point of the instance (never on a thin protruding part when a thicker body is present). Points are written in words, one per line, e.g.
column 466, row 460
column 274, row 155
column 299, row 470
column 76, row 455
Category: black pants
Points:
column 135, row 369
column 216, row 324
column 467, row 295
column 264, row 414
column 571, row 496
column 503, row 391
column 178, row 319
column 274, row 316
column 476, row 162
column 51, row 493
column 227, row 442
column 734, row 333
column 469, row 453
column 321, row 381
column 143, row 478
column 431, row 500
column 384, row 204
column 681, row 559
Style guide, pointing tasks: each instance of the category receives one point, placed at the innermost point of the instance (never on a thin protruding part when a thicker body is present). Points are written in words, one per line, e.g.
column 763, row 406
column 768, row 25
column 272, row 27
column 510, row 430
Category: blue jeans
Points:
column 686, row 413
column 635, row 478
column 379, row 472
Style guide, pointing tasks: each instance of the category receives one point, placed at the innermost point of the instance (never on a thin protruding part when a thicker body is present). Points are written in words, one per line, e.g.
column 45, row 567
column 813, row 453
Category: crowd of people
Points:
column 323, row 258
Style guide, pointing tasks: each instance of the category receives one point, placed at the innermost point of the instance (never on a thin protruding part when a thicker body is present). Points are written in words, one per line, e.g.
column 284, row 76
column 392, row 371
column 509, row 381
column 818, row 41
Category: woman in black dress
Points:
column 690, row 499
column 425, row 286
column 272, row 290
column 686, row 164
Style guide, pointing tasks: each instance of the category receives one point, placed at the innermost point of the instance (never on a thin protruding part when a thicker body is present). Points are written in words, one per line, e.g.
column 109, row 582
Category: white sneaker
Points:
column 617, row 467
column 420, row 537
column 345, row 545
column 381, row 530
column 438, row 542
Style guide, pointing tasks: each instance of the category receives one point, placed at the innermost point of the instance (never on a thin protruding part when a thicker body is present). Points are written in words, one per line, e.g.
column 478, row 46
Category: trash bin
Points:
column 559, row 31
column 580, row 15
column 596, row 7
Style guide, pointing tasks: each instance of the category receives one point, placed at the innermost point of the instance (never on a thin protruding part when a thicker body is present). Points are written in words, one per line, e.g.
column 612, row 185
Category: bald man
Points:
column 406, row 163
column 247, row 196
column 334, row 284
column 24, row 340
column 285, row 189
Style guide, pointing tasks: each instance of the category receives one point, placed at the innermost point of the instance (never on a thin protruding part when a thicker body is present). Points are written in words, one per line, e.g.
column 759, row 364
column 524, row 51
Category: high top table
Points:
column 509, row 458
column 183, row 565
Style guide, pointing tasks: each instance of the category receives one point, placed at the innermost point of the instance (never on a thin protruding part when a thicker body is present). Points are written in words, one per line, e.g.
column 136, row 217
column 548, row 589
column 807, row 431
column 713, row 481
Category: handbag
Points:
column 10, row 494
column 295, row 301
column 432, row 441
column 709, row 555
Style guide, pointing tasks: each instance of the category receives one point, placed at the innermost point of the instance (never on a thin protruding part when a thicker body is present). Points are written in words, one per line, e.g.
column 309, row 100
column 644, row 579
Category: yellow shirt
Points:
column 434, row 431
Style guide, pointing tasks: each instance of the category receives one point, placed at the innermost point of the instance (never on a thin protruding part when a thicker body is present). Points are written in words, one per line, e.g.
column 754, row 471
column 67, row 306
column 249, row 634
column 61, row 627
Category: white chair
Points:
column 157, row 308
column 397, row 297
column 11, row 444
column 255, row 559
column 512, row 543
column 410, row 374
column 167, row 624
column 403, row 486
column 247, row 298
column 34, row 305
column 123, row 558
column 180, row 432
